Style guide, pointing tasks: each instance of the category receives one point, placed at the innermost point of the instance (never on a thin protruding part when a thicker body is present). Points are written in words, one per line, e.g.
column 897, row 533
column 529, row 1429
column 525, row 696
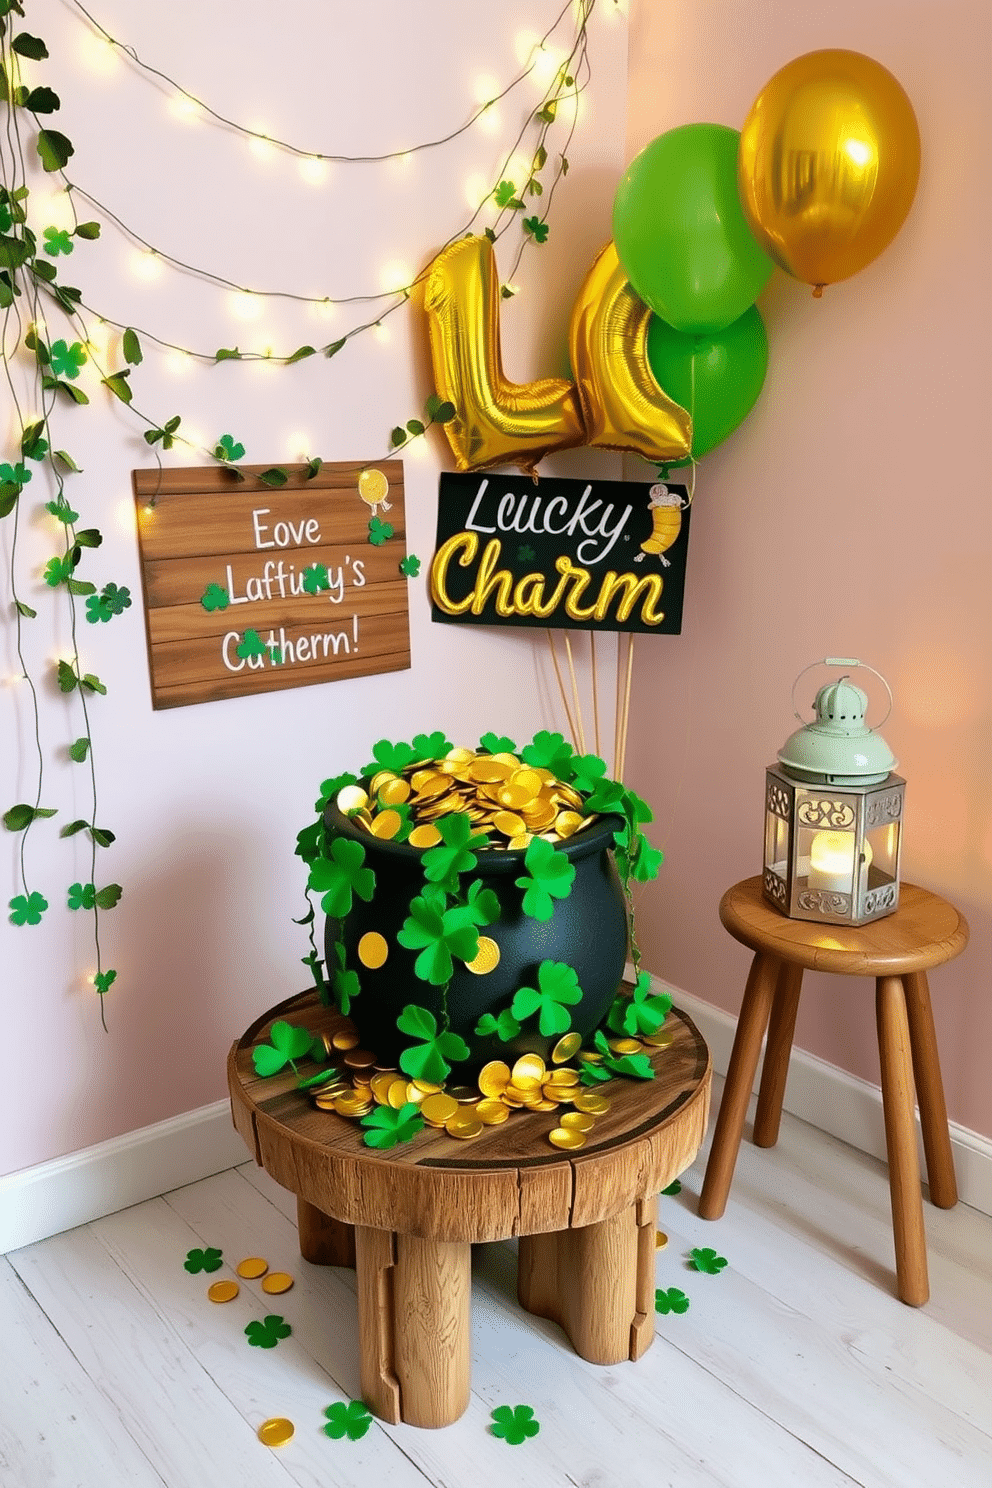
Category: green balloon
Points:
column 680, row 231
column 717, row 377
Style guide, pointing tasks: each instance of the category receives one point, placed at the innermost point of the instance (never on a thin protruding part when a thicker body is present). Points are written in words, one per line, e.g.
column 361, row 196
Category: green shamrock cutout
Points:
column 609, row 796
column 549, row 751
column 57, row 241
column 428, row 1060
column 670, row 1300
column 316, row 578
column 267, row 1333
column 589, row 771
column 410, row 566
column 557, row 989
column 504, row 1025
column 104, row 980
column 57, row 570
column 66, row 361
column 344, row 982
column 388, row 756
column 514, row 1423
column 251, row 645
column 455, row 853
column 215, row 597
column 505, row 195
column 227, row 449
column 15, row 475
column 705, row 1259
column 430, row 746
column 203, row 1260
column 549, row 876
column 483, row 903
column 379, row 532
column 60, row 509
column 82, row 896
column 27, row 909
column 288, row 1044
column 497, row 744
column 636, row 1066
column 525, row 554
column 438, row 934
column 673, row 1188
column 328, row 791
column 109, row 602
column 341, row 876
column 537, row 229
column 387, row 1125
column 351, row 1420
column 642, row 1012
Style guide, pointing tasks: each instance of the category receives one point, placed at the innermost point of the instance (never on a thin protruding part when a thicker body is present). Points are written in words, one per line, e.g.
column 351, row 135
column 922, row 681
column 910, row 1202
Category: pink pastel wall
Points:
column 850, row 515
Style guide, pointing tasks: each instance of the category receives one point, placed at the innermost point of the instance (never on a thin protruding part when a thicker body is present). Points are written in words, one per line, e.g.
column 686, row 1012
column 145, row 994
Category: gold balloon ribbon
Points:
column 497, row 422
column 622, row 405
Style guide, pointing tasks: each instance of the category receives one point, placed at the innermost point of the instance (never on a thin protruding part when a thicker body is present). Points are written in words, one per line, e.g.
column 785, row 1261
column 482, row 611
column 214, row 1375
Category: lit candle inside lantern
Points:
column 831, row 862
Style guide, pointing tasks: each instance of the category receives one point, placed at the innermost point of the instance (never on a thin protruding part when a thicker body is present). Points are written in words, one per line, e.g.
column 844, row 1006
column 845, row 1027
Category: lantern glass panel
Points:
column 777, row 844
column 884, row 843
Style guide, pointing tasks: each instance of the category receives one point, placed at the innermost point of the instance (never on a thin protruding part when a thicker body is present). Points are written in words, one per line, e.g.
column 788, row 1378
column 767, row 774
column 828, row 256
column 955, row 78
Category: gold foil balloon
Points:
column 622, row 404
column 828, row 164
column 497, row 422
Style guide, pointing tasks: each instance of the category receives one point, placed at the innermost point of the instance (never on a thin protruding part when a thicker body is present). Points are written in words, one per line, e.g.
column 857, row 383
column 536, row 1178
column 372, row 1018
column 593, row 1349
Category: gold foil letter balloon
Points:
column 622, row 405
column 497, row 422
column 828, row 164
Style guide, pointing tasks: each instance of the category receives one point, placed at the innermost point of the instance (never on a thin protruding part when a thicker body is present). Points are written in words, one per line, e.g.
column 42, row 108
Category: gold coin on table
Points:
column 566, row 1048
column 578, row 1120
column 252, row 1267
column 223, row 1291
column 625, row 1045
column 492, row 1112
column 427, row 1086
column 380, row 1086
column 591, row 1101
column 277, row 1282
column 424, row 836
column 397, row 1097
column 463, row 1126
column 373, row 949
column 544, row 1105
column 275, row 1432
column 486, row 959
column 528, row 1067
column 351, row 798
column 562, row 1076
column 414, row 1094
column 658, row 1040
column 439, row 1108
column 493, row 1077
column 353, row 1104
column 465, row 1095
column 566, row 1136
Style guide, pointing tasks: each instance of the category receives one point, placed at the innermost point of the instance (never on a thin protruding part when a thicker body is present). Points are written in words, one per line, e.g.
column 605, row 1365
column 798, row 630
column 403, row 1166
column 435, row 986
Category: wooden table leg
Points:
column 740, row 1077
column 775, row 1067
column 930, row 1092
column 414, row 1326
column 324, row 1241
column 900, row 1141
column 595, row 1281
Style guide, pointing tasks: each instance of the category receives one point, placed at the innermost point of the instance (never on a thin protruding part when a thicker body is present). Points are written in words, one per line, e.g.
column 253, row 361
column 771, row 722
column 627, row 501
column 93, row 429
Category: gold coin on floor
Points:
column 223, row 1291
column 275, row 1432
column 566, row 1136
column 660, row 1240
column 276, row 1282
column 252, row 1267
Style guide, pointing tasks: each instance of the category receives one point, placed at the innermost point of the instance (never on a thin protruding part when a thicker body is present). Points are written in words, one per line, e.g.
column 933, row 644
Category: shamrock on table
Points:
column 706, row 1259
column 670, row 1300
column 388, row 1125
column 267, row 1333
column 288, row 1043
column 203, row 1260
column 514, row 1423
column 351, row 1420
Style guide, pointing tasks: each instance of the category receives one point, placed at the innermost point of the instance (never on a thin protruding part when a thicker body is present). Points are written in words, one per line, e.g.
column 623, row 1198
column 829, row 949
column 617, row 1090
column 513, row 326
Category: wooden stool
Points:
column 407, row 1218
column 898, row 951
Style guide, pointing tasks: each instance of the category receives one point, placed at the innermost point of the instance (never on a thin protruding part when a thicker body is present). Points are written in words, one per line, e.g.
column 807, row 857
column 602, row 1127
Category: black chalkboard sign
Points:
column 560, row 554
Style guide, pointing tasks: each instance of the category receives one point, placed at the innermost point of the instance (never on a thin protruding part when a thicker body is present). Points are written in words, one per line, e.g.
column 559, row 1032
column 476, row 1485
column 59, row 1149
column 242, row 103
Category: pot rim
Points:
column 496, row 861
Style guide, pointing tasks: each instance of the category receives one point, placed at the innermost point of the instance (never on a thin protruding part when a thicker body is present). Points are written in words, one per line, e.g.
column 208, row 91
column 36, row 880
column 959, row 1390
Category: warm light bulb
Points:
column 98, row 53
column 314, row 170
column 184, row 108
column 261, row 146
column 298, row 446
column 831, row 862
column 146, row 264
column 396, row 278
column 244, row 305
column 477, row 190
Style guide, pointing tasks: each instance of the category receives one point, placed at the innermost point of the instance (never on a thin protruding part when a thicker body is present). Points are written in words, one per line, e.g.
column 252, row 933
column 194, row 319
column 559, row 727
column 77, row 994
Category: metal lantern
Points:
column 833, row 812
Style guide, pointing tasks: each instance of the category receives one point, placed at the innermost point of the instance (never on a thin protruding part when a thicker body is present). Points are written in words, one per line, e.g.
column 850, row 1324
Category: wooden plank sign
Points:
column 253, row 588
column 561, row 554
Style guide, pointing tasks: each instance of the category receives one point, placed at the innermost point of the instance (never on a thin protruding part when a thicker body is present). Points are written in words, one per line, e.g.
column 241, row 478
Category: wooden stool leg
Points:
column 751, row 1026
column 900, row 1141
column 324, row 1241
column 930, row 1092
column 594, row 1281
column 782, row 1026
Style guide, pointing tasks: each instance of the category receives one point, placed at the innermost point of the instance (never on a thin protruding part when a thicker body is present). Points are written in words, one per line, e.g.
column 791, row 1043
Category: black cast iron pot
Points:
column 587, row 931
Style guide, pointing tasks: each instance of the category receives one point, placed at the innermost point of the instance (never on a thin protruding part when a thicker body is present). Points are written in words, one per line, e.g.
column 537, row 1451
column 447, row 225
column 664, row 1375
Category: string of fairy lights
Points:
column 30, row 286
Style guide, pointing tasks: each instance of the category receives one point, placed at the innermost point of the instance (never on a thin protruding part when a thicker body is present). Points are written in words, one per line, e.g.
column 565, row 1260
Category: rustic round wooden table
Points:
column 407, row 1218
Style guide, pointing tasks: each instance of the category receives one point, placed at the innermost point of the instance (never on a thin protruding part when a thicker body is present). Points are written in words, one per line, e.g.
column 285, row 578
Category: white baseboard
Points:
column 841, row 1104
column 72, row 1190
column 86, row 1185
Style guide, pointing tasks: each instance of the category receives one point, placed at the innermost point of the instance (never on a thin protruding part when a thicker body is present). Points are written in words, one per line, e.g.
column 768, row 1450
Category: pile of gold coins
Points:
column 359, row 1084
column 501, row 796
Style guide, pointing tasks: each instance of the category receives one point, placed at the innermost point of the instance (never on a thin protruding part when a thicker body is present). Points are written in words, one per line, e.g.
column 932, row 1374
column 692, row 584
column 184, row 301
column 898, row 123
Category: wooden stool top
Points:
column 923, row 932
column 507, row 1181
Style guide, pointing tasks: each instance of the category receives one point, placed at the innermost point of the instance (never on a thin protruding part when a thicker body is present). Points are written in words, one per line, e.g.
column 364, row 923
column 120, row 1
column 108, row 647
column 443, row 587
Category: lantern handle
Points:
column 841, row 661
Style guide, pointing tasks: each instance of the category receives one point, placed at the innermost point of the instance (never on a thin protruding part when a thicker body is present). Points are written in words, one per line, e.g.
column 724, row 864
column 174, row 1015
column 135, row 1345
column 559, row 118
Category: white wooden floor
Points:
column 794, row 1366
